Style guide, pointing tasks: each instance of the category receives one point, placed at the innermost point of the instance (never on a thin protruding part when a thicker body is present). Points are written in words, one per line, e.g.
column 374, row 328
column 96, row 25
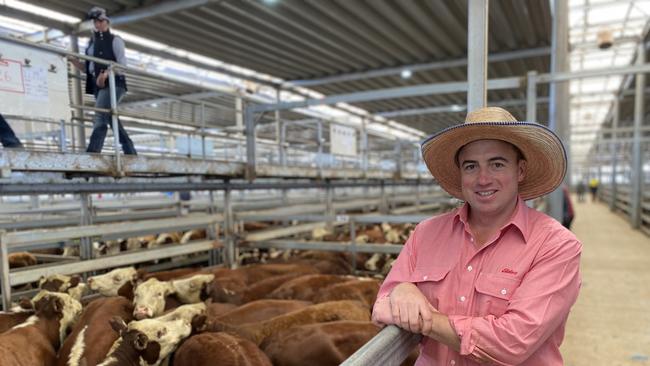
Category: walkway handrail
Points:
column 390, row 347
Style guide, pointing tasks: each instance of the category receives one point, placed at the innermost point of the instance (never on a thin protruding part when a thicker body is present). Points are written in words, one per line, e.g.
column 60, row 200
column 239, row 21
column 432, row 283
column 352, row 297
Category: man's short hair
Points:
column 520, row 155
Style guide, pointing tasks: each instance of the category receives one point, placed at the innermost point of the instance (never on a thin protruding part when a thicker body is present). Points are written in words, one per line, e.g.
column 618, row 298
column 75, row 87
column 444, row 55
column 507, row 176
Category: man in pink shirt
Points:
column 493, row 281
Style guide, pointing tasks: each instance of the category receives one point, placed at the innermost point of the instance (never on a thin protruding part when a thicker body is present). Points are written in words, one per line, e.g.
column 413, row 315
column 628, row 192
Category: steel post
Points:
column 249, row 119
column 614, row 151
column 77, row 97
column 114, row 119
column 229, row 228
column 531, row 97
column 636, row 195
column 5, row 284
column 477, row 54
column 85, row 243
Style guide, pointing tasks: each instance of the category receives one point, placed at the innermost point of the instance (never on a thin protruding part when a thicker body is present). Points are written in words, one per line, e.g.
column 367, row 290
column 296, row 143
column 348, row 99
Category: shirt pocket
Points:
column 429, row 279
column 494, row 292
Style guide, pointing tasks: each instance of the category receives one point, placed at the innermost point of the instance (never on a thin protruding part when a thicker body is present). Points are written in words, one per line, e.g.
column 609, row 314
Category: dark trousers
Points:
column 7, row 136
column 103, row 120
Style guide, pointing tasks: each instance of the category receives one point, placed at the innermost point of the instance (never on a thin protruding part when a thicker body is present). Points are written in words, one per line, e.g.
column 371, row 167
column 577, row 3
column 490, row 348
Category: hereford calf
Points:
column 9, row 319
column 363, row 290
column 145, row 342
column 306, row 287
column 70, row 285
column 118, row 282
column 36, row 341
column 92, row 338
column 149, row 298
column 325, row 312
column 208, row 349
column 21, row 259
column 320, row 344
column 252, row 312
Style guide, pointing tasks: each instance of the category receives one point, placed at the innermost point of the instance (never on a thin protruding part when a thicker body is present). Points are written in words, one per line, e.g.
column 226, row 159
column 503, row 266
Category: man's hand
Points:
column 410, row 309
column 101, row 79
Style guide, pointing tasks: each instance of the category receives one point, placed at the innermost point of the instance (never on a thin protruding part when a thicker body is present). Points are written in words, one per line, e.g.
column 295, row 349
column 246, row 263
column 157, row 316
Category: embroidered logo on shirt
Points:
column 508, row 270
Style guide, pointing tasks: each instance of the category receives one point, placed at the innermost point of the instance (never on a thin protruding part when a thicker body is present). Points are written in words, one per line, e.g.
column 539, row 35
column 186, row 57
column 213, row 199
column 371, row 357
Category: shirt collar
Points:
column 519, row 219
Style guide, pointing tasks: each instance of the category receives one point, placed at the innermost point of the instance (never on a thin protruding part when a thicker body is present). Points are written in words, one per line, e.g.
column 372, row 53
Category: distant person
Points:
column 7, row 135
column 580, row 190
column 593, row 187
column 103, row 44
column 567, row 208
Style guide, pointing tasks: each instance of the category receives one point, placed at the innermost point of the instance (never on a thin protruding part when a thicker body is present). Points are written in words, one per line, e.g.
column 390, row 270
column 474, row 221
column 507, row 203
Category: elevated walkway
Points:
column 609, row 323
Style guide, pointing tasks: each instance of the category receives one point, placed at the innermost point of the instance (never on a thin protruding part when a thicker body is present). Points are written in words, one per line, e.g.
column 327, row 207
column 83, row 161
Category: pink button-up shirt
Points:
column 508, row 301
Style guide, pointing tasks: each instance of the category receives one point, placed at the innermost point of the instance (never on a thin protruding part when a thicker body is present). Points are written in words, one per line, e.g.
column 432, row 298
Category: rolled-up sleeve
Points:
column 539, row 305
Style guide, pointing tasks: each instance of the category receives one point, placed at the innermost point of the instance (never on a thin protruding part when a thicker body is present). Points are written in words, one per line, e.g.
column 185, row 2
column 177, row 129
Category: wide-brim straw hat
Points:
column 544, row 153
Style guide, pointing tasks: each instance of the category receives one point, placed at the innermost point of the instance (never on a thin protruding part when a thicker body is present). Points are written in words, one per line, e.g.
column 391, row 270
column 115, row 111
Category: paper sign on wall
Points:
column 343, row 140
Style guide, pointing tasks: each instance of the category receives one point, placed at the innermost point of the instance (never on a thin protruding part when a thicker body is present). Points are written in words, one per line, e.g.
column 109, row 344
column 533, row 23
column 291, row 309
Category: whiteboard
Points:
column 35, row 89
column 343, row 140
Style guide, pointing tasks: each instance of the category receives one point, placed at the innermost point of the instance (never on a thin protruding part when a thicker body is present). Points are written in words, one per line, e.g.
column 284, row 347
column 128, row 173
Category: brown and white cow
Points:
column 9, row 319
column 92, row 337
column 118, row 282
column 192, row 289
column 306, row 287
column 21, row 259
column 145, row 342
column 224, row 349
column 252, row 312
column 319, row 344
column 149, row 298
column 36, row 341
column 70, row 285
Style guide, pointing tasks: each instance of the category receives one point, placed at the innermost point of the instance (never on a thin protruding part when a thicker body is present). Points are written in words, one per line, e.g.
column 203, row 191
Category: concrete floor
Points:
column 610, row 323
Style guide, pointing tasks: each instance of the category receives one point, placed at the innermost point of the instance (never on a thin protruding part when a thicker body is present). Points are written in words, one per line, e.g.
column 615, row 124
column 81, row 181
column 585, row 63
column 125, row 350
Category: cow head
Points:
column 191, row 313
column 59, row 306
column 119, row 281
column 150, row 339
column 71, row 285
column 193, row 289
column 149, row 298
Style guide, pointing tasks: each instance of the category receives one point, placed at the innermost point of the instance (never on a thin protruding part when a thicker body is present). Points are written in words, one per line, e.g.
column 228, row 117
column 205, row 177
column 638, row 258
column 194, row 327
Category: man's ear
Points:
column 522, row 170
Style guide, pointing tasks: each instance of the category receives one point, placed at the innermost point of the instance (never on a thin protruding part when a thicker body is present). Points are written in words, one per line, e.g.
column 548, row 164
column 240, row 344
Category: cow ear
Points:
column 199, row 323
column 25, row 304
column 57, row 305
column 74, row 281
column 141, row 341
column 118, row 324
column 151, row 353
column 140, row 274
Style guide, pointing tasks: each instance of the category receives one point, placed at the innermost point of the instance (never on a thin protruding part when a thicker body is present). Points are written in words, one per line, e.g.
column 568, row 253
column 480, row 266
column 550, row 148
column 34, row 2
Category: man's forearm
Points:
column 442, row 331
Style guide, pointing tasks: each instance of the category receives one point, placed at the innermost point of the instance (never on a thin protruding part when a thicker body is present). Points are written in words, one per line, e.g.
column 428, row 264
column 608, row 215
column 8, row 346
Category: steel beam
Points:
column 531, row 97
column 477, row 54
column 559, row 92
column 637, row 161
column 454, row 108
column 437, row 65
column 391, row 93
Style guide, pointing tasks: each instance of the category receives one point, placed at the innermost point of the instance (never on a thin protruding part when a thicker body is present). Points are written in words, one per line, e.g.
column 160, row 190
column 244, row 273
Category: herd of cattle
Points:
column 302, row 310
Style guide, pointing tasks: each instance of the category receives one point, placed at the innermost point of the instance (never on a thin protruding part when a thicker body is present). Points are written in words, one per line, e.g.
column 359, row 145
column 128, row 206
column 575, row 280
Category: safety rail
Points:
column 20, row 240
column 620, row 201
column 390, row 347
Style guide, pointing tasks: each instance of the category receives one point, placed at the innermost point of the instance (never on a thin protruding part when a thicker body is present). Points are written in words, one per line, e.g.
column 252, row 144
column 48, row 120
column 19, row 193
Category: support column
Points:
column 531, row 97
column 383, row 203
column 559, row 95
column 319, row 136
column 636, row 195
column 279, row 136
column 249, row 119
column 77, row 98
column 477, row 54
column 114, row 116
column 229, row 230
column 213, row 232
column 364, row 146
column 614, row 151
column 329, row 203
column 85, row 245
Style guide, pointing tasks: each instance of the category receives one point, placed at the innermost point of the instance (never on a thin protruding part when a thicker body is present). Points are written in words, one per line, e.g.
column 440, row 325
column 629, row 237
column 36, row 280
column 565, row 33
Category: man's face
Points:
column 101, row 25
column 490, row 174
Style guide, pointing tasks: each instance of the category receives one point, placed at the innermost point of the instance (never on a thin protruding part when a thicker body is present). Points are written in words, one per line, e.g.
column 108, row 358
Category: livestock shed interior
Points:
column 280, row 171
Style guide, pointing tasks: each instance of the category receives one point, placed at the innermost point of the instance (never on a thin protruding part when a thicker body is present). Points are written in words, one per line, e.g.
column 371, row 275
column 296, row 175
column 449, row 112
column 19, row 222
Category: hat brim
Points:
column 545, row 155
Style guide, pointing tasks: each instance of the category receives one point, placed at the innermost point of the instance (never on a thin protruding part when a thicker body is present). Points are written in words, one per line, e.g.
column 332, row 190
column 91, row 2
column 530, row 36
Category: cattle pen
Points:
column 271, row 165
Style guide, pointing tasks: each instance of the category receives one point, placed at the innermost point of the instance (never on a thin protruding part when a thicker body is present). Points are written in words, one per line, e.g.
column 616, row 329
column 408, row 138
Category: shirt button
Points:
column 471, row 239
column 469, row 268
column 452, row 363
column 504, row 291
column 425, row 277
column 462, row 299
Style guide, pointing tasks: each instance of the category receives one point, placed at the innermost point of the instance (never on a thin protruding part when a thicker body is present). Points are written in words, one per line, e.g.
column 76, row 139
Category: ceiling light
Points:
column 406, row 74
